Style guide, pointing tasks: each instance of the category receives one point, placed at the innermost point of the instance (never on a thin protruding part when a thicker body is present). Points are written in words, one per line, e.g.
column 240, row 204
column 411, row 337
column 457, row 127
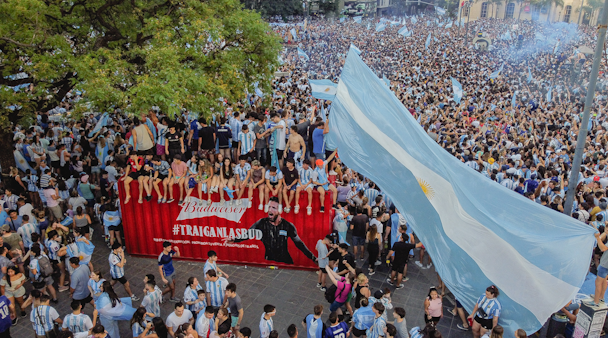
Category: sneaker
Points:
column 323, row 289
column 296, row 209
column 134, row 298
column 159, row 201
column 429, row 266
column 406, row 279
column 174, row 300
column 388, row 280
column 63, row 288
column 261, row 207
column 23, row 314
column 54, row 301
column 249, row 204
column 287, row 210
column 266, row 208
column 419, row 264
column 322, row 209
column 309, row 211
column 180, row 203
column 318, row 285
column 148, row 198
column 400, row 286
column 371, row 272
column 200, row 203
column 378, row 263
column 14, row 321
column 460, row 326
column 171, row 200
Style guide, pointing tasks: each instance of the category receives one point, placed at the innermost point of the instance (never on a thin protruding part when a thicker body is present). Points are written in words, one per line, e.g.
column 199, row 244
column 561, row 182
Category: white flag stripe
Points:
column 329, row 90
column 508, row 269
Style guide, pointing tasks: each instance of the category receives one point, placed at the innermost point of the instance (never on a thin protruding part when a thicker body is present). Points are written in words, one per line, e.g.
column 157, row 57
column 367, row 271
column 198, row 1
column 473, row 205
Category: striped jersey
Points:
column 305, row 175
column 216, row 291
column 32, row 183
column 42, row 318
column 274, row 178
column 77, row 323
column 242, row 171
column 191, row 295
column 138, row 329
column 491, row 307
column 371, row 195
column 363, row 318
column 116, row 271
column 377, row 329
column 152, row 301
column 247, row 140
column 209, row 266
column 235, row 126
column 26, row 231
column 53, row 249
column 162, row 129
column 319, row 175
column 95, row 286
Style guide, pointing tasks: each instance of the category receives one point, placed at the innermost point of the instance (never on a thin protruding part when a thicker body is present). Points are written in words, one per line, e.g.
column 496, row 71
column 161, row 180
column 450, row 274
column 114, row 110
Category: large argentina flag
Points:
column 477, row 232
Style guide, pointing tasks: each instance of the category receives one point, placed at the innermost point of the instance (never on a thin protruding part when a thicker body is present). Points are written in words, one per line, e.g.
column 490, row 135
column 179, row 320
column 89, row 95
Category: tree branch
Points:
column 24, row 45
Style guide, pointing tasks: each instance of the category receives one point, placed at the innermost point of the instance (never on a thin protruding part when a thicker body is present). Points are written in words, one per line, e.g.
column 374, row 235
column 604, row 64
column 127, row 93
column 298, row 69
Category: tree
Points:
column 591, row 6
column 129, row 54
column 282, row 8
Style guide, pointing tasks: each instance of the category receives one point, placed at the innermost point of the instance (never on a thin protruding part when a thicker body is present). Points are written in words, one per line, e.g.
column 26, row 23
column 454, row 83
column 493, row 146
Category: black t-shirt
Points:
column 402, row 250
column 358, row 223
column 349, row 258
column 206, row 136
column 290, row 176
column 173, row 140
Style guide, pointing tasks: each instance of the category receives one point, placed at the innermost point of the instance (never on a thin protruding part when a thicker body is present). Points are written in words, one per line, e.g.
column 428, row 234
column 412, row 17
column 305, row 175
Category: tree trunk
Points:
column 7, row 159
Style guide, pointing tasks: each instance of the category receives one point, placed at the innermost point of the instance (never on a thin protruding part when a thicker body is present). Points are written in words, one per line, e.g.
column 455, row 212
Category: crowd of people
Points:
column 518, row 128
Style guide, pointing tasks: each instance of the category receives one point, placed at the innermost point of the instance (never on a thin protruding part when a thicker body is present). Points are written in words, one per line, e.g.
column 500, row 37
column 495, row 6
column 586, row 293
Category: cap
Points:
column 596, row 179
column 491, row 160
column 319, row 162
column 5, row 228
column 378, row 294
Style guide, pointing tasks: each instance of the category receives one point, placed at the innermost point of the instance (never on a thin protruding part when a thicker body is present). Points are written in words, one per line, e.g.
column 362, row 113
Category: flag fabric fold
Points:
column 357, row 19
column 478, row 233
column 428, row 42
column 102, row 122
column 457, row 89
column 380, row 27
column 353, row 47
column 439, row 10
column 529, row 75
column 302, row 54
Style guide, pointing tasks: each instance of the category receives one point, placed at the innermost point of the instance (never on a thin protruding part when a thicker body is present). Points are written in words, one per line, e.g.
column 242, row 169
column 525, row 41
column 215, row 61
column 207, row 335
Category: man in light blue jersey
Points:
column 77, row 322
column 379, row 324
column 215, row 287
column 305, row 173
column 211, row 264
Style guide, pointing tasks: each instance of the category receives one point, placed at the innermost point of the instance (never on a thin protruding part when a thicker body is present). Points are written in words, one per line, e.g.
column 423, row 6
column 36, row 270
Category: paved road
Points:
column 293, row 292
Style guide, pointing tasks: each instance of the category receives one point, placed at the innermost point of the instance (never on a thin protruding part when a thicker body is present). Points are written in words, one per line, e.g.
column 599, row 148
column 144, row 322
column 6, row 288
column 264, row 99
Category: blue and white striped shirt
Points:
column 491, row 307
column 247, row 140
column 242, row 172
column 161, row 130
column 209, row 266
column 42, row 318
column 377, row 328
column 116, row 271
column 235, row 127
column 274, row 179
column 217, row 291
column 96, row 286
column 138, row 329
column 371, row 195
column 26, row 232
column 32, row 183
column 77, row 323
column 305, row 175
column 152, row 300
column 191, row 295
column 53, row 249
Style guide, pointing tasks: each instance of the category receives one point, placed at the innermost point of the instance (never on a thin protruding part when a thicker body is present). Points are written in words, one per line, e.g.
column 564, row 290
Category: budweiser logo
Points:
column 192, row 210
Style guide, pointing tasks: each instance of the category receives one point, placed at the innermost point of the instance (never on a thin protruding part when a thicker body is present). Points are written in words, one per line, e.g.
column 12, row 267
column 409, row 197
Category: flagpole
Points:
column 582, row 134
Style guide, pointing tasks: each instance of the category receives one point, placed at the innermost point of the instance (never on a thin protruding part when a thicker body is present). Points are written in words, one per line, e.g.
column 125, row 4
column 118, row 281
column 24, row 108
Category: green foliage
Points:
column 132, row 54
column 275, row 7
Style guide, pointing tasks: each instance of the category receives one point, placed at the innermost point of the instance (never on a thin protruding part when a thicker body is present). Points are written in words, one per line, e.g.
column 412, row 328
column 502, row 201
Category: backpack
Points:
column 46, row 268
column 330, row 293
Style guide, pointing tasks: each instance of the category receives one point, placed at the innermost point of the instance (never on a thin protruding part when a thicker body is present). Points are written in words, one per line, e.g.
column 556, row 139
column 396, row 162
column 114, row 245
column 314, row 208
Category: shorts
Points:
column 235, row 320
column 194, row 145
column 322, row 270
column 357, row 332
column 90, row 202
column 17, row 293
column 235, row 144
column 56, row 210
column 433, row 319
column 308, row 186
column 114, row 228
column 134, row 175
column 319, row 156
column 458, row 305
column 485, row 323
column 280, row 154
column 95, row 169
column 206, row 153
column 161, row 177
column 398, row 268
column 160, row 150
column 40, row 284
column 85, row 229
column 335, row 306
column 324, row 186
column 358, row 241
column 602, row 272
column 56, row 164
column 170, row 279
column 293, row 187
column 123, row 280
column 84, row 301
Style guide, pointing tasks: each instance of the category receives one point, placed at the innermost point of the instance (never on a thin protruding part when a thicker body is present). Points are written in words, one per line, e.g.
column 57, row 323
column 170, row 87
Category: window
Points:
column 567, row 13
column 510, row 10
column 484, row 10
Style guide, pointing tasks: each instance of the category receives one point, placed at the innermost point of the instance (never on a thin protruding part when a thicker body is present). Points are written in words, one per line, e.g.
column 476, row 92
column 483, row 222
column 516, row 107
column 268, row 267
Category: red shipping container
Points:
column 196, row 229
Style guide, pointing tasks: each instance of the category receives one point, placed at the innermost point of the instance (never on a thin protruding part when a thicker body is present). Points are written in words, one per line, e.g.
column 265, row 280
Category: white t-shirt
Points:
column 26, row 209
column 377, row 223
column 174, row 321
column 281, row 135
column 112, row 173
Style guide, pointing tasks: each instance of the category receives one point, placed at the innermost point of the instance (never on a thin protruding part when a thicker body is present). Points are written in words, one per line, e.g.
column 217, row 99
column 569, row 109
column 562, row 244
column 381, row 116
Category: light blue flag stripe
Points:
column 549, row 95
column 457, row 89
column 301, row 53
column 380, row 27
column 428, row 41
column 323, row 89
column 529, row 74
column 102, row 122
column 459, row 215
column 357, row 19
column 357, row 50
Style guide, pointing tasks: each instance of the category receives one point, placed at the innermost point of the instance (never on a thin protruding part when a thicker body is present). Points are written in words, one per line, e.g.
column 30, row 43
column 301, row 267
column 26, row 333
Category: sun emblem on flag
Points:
column 426, row 188
column 327, row 89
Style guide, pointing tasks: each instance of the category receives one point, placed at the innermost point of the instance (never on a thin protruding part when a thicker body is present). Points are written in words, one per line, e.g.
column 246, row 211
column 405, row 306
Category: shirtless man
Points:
column 295, row 143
